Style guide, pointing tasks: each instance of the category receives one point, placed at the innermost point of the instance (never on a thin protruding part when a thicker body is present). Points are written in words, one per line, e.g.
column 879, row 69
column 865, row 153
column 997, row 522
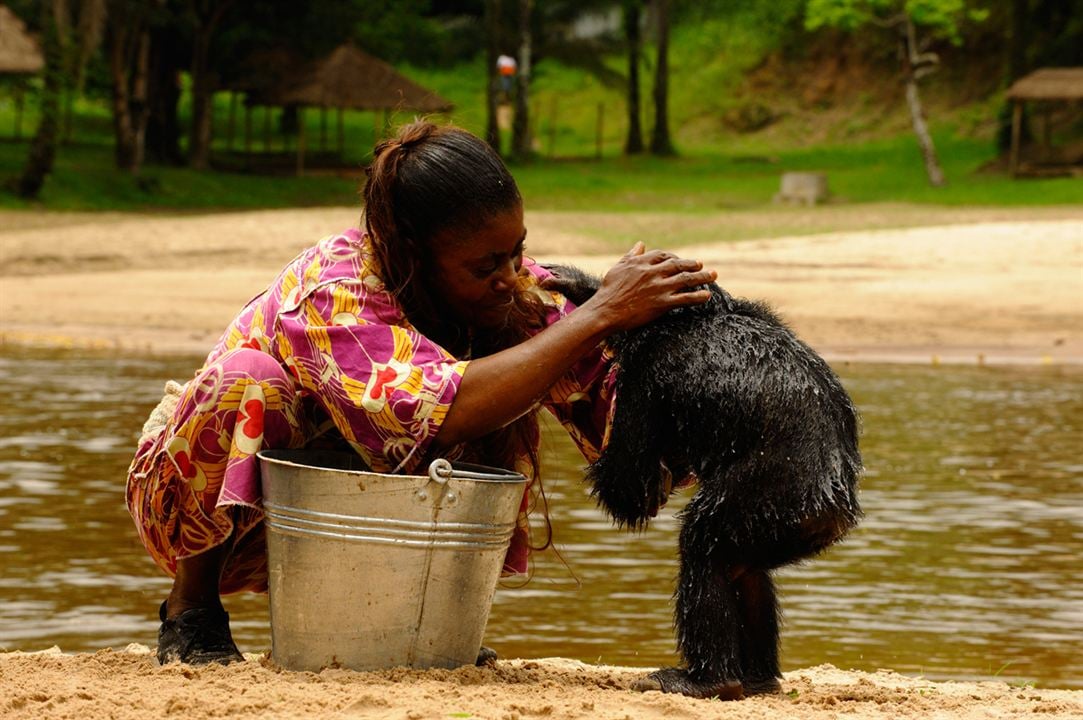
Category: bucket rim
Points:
column 459, row 470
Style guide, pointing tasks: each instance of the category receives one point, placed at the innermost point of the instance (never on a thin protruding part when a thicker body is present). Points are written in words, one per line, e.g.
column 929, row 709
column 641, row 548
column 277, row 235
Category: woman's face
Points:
column 473, row 274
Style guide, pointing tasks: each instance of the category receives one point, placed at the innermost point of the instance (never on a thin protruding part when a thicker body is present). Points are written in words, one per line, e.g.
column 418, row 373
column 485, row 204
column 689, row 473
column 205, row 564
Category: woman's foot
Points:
column 677, row 680
column 198, row 636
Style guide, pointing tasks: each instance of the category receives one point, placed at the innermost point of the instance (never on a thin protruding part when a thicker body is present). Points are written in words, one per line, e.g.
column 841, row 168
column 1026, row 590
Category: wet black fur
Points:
column 726, row 391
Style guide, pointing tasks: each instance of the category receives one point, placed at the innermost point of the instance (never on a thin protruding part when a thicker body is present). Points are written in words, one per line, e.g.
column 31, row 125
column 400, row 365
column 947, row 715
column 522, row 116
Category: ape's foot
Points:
column 762, row 686
column 677, row 680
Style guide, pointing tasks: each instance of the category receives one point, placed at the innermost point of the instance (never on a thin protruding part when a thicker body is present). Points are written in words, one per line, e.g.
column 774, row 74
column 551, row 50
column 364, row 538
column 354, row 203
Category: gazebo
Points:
column 19, row 55
column 346, row 79
column 1048, row 85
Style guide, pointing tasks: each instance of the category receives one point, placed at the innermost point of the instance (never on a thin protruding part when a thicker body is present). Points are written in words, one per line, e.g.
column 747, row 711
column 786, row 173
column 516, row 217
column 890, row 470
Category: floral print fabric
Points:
column 324, row 351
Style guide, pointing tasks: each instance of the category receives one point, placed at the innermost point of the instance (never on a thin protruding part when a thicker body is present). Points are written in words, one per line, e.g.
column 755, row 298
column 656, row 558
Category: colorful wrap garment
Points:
column 325, row 351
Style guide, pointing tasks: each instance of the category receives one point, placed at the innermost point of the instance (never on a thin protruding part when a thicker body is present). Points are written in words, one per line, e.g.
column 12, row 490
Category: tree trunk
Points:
column 199, row 136
column 39, row 162
column 520, row 128
column 915, row 66
column 917, row 118
column 661, row 144
column 163, row 96
column 634, row 143
column 123, row 132
column 492, row 35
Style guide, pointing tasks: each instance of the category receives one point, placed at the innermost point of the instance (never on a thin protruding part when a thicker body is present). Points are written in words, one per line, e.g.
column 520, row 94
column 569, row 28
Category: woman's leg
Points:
column 195, row 494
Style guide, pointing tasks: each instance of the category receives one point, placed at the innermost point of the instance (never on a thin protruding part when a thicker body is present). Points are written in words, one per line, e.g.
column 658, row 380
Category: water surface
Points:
column 966, row 566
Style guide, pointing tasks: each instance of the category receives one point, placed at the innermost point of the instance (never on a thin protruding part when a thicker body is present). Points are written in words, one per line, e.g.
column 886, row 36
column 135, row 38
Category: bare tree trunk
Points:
column 39, row 163
column 124, row 136
column 207, row 14
column 520, row 128
column 917, row 65
column 634, row 143
column 492, row 33
column 163, row 96
column 661, row 144
column 199, row 136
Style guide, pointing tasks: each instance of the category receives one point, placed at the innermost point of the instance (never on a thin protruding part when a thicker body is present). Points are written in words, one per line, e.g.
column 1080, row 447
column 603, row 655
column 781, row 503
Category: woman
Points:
column 428, row 334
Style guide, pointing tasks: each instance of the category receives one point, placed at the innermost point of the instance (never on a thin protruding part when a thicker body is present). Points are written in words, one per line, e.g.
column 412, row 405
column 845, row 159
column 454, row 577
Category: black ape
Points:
column 726, row 392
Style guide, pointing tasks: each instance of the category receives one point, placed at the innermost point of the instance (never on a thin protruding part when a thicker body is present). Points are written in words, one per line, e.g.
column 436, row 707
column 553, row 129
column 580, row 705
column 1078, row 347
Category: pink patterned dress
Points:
column 324, row 351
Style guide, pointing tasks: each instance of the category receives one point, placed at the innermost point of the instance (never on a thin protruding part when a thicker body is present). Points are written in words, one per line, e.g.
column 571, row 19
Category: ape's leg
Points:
column 759, row 619
column 706, row 615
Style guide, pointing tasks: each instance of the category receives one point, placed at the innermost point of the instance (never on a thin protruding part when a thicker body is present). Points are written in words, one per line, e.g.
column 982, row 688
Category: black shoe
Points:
column 197, row 637
column 486, row 656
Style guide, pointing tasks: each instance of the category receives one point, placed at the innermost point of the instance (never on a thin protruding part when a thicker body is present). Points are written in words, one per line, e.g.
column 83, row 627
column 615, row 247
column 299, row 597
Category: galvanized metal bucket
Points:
column 368, row 570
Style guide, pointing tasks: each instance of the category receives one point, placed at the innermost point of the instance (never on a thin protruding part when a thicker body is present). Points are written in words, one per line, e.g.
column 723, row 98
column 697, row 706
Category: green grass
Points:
column 715, row 171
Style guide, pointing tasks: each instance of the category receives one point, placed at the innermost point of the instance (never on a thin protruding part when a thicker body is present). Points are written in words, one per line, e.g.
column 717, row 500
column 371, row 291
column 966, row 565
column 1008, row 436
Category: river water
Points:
column 966, row 566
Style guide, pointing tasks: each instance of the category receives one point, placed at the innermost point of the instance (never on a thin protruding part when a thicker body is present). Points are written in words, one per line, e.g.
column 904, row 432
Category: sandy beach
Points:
column 999, row 287
column 1007, row 290
column 131, row 684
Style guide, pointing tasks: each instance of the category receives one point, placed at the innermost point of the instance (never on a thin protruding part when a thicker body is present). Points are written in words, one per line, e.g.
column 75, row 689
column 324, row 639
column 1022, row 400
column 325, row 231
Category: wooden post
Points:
column 1017, row 126
column 341, row 134
column 20, row 96
column 600, row 131
column 1047, row 132
column 247, row 129
column 231, row 122
column 552, row 125
column 300, row 141
column 266, row 128
column 323, row 127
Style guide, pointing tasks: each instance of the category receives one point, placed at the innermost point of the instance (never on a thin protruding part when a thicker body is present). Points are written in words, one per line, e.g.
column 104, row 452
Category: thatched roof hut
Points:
column 351, row 78
column 1049, row 84
column 1046, row 86
column 19, row 52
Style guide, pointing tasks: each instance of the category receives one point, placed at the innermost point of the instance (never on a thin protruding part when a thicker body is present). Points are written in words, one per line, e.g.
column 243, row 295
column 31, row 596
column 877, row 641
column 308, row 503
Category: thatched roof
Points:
column 351, row 78
column 19, row 52
column 1049, row 84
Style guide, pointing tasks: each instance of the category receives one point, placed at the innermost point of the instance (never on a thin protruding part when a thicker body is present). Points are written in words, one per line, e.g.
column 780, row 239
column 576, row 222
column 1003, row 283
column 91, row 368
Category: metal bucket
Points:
column 368, row 570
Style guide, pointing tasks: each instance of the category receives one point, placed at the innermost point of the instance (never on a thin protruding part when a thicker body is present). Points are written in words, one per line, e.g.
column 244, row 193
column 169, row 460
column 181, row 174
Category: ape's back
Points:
column 734, row 396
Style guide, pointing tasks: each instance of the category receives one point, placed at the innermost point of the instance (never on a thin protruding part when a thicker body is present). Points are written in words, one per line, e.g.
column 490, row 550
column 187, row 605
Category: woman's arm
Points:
column 499, row 388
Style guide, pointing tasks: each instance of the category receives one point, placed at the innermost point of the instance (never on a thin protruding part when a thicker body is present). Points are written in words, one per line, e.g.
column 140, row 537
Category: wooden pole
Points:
column 341, row 134
column 600, row 131
column 323, row 127
column 247, row 129
column 231, row 123
column 266, row 128
column 552, row 125
column 1017, row 124
column 300, row 141
column 1047, row 132
column 20, row 96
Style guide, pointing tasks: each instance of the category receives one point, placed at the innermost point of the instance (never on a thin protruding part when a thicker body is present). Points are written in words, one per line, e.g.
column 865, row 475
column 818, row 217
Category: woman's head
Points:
column 446, row 221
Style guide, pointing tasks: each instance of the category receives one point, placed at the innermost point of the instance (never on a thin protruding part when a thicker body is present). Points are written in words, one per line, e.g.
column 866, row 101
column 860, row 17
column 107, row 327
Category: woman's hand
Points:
column 643, row 285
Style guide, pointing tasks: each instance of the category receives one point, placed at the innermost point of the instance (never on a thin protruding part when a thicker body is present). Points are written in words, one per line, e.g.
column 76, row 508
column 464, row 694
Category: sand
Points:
column 1005, row 290
column 131, row 684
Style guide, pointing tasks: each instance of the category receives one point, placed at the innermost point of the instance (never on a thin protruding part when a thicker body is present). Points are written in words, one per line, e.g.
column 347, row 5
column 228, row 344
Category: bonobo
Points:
column 725, row 394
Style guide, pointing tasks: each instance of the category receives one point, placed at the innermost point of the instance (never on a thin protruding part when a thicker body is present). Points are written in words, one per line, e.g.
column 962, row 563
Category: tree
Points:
column 492, row 51
column 632, row 17
column 520, row 127
column 661, row 144
column 39, row 162
column 206, row 15
column 128, row 40
column 940, row 19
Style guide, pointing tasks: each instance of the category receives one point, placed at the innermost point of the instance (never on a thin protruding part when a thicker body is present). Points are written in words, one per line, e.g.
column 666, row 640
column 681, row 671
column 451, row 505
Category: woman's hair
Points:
column 431, row 182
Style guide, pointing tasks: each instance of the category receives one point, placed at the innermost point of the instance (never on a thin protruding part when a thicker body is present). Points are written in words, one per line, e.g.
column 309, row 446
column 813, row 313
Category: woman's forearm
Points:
column 497, row 389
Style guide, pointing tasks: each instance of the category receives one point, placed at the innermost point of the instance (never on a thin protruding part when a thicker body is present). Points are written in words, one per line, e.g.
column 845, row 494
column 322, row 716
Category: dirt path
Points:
column 966, row 291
